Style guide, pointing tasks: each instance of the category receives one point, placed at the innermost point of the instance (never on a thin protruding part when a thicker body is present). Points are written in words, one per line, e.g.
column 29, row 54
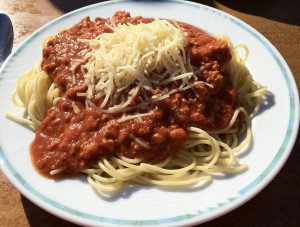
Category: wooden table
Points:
column 278, row 20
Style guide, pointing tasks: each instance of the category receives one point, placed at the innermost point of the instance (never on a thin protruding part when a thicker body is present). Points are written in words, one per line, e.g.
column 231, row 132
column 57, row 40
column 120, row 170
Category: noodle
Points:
column 37, row 94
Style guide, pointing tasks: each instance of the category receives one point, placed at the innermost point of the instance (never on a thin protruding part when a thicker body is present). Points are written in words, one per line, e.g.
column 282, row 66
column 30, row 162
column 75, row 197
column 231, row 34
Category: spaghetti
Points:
column 116, row 88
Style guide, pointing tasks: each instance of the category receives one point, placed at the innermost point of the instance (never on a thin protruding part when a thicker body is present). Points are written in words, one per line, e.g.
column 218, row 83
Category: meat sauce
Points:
column 75, row 141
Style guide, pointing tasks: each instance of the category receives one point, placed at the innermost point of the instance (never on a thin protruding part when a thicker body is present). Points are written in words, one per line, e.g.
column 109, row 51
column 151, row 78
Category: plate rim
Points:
column 252, row 188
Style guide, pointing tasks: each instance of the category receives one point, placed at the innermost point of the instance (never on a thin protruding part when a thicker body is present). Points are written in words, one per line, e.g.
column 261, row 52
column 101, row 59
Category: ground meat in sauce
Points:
column 76, row 141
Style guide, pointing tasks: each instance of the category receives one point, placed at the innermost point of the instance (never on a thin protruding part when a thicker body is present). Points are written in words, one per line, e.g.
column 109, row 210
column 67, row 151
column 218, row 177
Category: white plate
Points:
column 274, row 131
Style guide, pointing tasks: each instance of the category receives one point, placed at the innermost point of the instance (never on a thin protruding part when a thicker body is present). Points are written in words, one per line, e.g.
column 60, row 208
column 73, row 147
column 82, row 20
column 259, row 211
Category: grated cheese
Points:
column 132, row 60
column 129, row 117
column 140, row 142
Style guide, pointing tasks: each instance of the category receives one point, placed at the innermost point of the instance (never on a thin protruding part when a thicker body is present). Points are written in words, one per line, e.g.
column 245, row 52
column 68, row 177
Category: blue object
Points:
column 6, row 37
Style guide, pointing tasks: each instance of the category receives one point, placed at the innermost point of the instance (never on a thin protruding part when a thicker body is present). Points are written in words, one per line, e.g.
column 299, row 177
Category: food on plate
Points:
column 138, row 100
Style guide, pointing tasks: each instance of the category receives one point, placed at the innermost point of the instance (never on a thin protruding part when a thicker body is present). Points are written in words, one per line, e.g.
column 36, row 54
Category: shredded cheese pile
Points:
column 133, row 60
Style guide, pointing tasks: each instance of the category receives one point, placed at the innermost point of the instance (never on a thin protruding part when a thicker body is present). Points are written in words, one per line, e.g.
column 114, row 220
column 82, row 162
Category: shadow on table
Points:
column 70, row 5
column 38, row 217
column 286, row 11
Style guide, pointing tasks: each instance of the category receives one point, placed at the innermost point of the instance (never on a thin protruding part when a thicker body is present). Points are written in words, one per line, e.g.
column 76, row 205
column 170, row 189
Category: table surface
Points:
column 278, row 20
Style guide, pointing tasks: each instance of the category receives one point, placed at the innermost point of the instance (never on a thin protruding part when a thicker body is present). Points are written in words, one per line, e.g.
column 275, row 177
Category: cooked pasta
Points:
column 126, row 79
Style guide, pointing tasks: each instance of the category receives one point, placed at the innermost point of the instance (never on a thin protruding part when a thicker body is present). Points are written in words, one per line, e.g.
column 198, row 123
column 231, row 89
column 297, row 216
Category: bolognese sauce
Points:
column 77, row 140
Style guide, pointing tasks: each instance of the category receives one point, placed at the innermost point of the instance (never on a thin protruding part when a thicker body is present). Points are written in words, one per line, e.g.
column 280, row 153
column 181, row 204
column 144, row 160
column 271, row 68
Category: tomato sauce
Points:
column 75, row 141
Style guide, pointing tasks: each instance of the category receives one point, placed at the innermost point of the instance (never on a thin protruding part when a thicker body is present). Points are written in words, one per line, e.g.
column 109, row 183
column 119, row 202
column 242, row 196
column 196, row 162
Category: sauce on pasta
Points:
column 76, row 141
